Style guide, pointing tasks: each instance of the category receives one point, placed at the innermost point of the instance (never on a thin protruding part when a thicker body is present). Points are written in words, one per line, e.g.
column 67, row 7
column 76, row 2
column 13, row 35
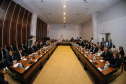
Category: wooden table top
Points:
column 27, row 62
column 99, row 63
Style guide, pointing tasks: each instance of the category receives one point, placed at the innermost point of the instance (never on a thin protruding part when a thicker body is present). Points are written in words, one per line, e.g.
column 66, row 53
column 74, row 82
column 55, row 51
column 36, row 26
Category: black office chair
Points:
column 119, row 70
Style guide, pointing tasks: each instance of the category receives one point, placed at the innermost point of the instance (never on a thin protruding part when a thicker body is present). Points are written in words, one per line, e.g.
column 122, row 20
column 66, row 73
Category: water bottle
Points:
column 94, row 58
column 88, row 54
column 104, row 66
column 21, row 66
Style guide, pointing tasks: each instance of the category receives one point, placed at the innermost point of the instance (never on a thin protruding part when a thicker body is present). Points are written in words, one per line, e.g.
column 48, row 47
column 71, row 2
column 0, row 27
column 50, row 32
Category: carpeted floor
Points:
column 63, row 67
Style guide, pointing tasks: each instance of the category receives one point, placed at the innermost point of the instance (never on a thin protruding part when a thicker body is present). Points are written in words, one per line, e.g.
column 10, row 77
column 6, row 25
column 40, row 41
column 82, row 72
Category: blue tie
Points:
column 33, row 49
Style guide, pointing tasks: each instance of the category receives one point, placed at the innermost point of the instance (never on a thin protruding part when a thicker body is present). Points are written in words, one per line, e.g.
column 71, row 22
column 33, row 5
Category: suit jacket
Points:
column 88, row 47
column 11, row 49
column 31, row 50
column 0, row 55
column 114, row 62
column 17, row 55
column 5, row 51
column 107, row 56
column 110, row 45
column 15, row 49
column 91, row 48
column 95, row 50
column 10, row 59
column 39, row 46
column 35, row 48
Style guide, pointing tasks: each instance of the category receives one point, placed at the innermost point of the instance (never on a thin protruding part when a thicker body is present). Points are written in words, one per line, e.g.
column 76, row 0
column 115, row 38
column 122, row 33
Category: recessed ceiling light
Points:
column 64, row 13
column 64, row 21
column 64, row 6
column 64, row 18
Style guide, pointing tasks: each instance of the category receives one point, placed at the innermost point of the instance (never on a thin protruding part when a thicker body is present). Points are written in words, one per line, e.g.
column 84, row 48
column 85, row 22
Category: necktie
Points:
column 20, row 55
column 33, row 49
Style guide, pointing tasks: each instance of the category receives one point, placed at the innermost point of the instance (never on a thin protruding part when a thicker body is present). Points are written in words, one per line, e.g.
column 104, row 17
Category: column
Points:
column 95, row 28
column 33, row 26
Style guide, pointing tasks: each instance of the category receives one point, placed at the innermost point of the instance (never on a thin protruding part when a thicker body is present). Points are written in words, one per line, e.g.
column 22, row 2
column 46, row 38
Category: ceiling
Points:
column 77, row 11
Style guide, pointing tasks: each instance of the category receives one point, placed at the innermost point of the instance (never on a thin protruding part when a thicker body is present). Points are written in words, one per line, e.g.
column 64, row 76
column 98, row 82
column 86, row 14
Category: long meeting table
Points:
column 31, row 66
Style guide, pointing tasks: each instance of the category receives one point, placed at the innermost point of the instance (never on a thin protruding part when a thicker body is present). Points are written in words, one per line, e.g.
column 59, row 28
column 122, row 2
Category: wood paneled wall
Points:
column 41, row 30
column 15, row 23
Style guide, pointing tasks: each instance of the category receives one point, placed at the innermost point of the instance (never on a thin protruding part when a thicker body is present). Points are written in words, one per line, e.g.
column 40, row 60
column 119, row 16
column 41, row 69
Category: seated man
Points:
column 95, row 49
column 40, row 45
column 31, row 49
column 35, row 46
column 10, row 58
column 114, row 62
column 3, row 78
column 16, row 48
column 19, row 54
column 106, row 55
column 2, row 58
column 88, row 45
column 5, row 50
column 91, row 48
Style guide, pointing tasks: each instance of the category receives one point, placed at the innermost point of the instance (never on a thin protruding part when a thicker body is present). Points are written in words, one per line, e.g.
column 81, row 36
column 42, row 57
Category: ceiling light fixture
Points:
column 64, row 18
column 64, row 6
column 64, row 13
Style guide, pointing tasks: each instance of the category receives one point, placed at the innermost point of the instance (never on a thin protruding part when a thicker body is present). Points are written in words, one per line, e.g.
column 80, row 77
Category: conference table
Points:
column 35, row 61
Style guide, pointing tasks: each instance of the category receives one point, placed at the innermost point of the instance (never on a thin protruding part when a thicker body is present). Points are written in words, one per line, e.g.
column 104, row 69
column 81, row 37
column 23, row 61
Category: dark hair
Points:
column 114, row 46
column 94, row 44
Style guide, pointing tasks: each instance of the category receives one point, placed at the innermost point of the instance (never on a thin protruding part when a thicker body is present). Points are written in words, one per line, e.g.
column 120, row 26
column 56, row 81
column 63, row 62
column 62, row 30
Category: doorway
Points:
column 106, row 36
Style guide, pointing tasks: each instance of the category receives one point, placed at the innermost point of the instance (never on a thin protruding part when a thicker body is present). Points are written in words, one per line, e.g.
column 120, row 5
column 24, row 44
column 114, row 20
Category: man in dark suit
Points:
column 19, row 54
column 2, row 57
column 26, row 49
column 88, row 45
column 114, row 62
column 11, row 48
column 95, row 49
column 10, row 58
column 91, row 47
column 16, row 48
column 110, row 44
column 40, row 45
column 106, row 55
column 35, row 46
column 5, row 50
column 31, row 49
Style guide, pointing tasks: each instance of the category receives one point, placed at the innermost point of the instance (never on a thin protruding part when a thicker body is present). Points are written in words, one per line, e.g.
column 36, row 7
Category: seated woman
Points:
column 113, row 48
column 99, row 52
column 3, row 78
column 114, row 62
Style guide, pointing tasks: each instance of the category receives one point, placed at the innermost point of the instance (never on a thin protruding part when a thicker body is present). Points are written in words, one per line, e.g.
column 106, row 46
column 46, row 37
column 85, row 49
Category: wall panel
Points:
column 41, row 30
column 15, row 23
column 6, row 25
column 3, row 5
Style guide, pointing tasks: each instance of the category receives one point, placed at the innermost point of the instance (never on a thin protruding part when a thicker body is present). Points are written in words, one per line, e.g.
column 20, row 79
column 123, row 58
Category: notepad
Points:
column 24, row 59
column 16, row 65
column 99, row 69
column 101, row 60
column 36, row 60
column 26, row 67
column 90, row 60
column 41, row 56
